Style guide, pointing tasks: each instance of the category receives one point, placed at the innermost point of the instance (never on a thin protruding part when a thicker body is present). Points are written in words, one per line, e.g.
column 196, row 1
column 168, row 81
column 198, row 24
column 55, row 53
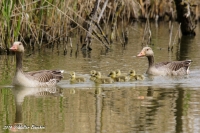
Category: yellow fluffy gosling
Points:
column 102, row 80
column 92, row 75
column 120, row 78
column 134, row 76
column 75, row 79
column 118, row 73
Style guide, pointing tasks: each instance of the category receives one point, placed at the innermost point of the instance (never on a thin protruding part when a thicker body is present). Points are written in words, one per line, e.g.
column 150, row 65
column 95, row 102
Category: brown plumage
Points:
column 164, row 68
column 42, row 78
column 46, row 75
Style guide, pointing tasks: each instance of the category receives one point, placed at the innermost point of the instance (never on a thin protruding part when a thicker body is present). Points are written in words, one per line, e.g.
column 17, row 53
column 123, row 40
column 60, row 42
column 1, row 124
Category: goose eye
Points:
column 20, row 43
column 147, row 49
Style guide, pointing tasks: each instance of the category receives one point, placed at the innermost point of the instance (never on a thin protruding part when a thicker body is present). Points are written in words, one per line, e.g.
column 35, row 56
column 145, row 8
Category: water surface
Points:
column 157, row 104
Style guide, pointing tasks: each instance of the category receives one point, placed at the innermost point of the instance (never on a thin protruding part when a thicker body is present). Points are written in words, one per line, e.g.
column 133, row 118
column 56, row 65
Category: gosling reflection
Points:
column 20, row 93
column 99, row 106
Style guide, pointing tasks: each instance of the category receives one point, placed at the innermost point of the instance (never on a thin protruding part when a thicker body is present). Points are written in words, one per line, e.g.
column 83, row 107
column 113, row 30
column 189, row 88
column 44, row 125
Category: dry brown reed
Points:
column 45, row 22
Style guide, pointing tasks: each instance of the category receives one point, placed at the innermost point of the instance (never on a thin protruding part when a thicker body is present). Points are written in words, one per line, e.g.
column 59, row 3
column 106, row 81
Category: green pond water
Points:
column 156, row 105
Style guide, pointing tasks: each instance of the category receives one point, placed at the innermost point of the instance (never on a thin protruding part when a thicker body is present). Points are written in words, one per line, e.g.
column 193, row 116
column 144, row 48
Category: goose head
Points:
column 17, row 47
column 146, row 51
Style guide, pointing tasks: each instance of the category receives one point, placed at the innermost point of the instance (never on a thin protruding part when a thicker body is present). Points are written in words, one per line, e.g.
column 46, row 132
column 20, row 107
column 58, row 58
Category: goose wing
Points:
column 175, row 65
column 45, row 75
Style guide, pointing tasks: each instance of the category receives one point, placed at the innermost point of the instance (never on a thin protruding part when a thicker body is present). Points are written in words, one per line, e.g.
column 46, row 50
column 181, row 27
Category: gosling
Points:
column 120, row 78
column 75, row 79
column 134, row 76
column 102, row 80
column 92, row 75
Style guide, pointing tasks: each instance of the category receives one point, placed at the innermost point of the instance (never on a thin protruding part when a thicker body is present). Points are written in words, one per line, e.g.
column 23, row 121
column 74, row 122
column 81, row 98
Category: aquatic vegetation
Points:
column 45, row 23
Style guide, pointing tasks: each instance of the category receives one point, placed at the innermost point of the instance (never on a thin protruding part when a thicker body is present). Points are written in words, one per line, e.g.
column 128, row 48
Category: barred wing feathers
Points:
column 175, row 65
column 45, row 75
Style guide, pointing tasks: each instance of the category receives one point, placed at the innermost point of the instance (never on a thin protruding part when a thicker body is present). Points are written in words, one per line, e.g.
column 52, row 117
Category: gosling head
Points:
column 98, row 75
column 92, row 73
column 112, row 74
column 118, row 72
column 132, row 73
column 72, row 74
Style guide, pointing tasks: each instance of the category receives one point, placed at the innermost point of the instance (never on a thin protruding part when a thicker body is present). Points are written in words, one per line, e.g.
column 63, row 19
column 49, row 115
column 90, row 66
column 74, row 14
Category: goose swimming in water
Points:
column 42, row 78
column 164, row 68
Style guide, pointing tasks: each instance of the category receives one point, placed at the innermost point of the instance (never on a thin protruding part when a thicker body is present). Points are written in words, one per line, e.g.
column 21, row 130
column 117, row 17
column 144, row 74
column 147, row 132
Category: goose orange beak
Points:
column 141, row 54
column 13, row 48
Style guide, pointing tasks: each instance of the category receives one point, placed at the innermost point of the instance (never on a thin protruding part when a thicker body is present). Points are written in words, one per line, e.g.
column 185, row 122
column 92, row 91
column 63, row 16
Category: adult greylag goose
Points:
column 75, row 79
column 43, row 78
column 164, row 68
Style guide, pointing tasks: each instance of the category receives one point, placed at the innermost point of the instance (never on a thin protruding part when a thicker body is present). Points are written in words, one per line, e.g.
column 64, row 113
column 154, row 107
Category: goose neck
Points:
column 19, row 60
column 150, row 60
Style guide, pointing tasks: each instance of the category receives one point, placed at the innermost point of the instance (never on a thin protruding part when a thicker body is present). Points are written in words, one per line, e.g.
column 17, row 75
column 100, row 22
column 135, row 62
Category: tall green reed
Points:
column 7, row 7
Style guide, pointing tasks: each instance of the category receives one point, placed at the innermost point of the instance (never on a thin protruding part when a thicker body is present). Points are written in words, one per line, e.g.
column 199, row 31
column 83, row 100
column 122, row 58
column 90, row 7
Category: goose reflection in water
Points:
column 20, row 93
